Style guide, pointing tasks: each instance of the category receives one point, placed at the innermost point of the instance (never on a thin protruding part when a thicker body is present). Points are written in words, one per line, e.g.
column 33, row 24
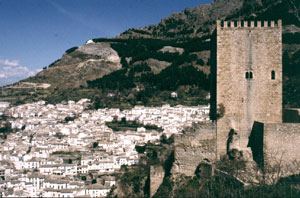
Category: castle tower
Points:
column 248, row 77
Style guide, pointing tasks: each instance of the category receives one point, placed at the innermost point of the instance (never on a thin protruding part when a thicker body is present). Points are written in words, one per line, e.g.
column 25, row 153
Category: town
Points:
column 56, row 150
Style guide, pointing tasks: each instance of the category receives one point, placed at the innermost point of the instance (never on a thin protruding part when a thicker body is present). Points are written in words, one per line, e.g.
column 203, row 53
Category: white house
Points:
column 97, row 190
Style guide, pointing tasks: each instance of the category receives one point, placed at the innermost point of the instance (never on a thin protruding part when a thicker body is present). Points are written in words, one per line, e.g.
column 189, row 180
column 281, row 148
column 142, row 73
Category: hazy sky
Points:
column 34, row 33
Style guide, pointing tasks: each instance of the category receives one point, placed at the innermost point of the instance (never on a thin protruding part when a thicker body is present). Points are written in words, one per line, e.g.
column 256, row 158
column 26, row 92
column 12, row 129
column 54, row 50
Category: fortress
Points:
column 249, row 77
column 246, row 102
column 247, row 92
column 246, row 108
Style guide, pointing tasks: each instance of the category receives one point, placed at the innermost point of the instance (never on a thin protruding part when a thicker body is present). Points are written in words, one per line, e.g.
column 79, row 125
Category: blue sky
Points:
column 34, row 33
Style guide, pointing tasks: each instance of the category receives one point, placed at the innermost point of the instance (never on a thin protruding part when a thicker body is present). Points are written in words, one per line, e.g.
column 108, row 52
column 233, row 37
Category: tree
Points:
column 220, row 111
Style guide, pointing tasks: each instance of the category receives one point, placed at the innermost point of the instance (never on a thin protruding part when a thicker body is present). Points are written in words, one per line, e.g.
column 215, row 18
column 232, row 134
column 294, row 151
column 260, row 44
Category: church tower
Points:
column 248, row 72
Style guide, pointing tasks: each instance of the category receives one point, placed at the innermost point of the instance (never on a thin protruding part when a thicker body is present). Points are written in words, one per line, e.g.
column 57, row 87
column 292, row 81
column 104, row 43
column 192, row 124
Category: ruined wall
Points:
column 157, row 174
column 277, row 145
column 196, row 145
column 249, row 77
column 281, row 143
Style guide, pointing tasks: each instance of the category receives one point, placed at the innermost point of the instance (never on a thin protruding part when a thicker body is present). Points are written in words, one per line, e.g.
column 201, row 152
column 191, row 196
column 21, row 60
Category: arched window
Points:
column 273, row 75
column 247, row 75
column 251, row 75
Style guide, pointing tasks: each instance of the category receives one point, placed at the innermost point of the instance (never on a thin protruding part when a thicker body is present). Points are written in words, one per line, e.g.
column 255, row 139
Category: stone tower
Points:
column 248, row 72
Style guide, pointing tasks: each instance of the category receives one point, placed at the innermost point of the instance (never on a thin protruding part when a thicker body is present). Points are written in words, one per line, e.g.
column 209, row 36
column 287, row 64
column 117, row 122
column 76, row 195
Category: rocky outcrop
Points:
column 87, row 62
column 171, row 49
column 101, row 50
column 156, row 65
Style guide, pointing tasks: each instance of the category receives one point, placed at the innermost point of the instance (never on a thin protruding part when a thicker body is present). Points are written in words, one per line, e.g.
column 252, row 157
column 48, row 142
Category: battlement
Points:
column 249, row 24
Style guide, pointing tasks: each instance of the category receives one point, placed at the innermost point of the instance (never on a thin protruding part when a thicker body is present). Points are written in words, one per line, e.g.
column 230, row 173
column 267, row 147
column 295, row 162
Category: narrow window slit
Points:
column 273, row 75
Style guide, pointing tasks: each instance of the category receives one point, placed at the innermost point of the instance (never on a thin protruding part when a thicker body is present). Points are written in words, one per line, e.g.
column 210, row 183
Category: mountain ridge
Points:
column 131, row 66
column 207, row 14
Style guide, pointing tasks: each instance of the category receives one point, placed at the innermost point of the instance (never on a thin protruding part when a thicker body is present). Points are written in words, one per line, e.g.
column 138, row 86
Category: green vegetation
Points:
column 218, row 187
column 5, row 129
column 153, row 93
column 54, row 62
column 134, row 178
column 115, row 81
column 194, row 187
column 220, row 111
column 142, row 49
column 133, row 181
column 136, row 84
column 191, row 83
column 62, row 153
column 291, row 79
column 223, row 184
column 291, row 38
column 140, row 149
column 72, row 49
column 280, row 10
column 170, row 78
column 68, row 118
column 165, row 140
column 124, row 125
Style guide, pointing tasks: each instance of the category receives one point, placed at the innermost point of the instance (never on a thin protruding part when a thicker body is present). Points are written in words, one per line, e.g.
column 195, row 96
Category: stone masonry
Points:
column 198, row 144
column 275, row 144
column 248, row 77
column 157, row 174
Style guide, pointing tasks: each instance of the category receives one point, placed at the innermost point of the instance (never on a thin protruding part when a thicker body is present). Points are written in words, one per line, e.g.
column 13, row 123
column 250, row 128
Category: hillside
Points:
column 199, row 21
column 144, row 65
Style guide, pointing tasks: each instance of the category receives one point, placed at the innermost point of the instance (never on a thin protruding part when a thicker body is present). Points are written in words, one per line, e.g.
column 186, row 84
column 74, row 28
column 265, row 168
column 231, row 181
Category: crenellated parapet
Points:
column 249, row 24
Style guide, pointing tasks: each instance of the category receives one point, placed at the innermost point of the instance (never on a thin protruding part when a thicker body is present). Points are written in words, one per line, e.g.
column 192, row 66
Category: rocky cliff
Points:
column 87, row 62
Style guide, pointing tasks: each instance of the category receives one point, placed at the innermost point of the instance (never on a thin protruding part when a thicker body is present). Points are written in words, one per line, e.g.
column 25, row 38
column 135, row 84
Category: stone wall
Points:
column 281, row 143
column 278, row 144
column 157, row 174
column 197, row 144
column 249, row 77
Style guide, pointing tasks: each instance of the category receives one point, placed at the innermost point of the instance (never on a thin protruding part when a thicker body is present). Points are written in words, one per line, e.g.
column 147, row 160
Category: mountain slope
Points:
column 200, row 20
column 87, row 62
column 144, row 65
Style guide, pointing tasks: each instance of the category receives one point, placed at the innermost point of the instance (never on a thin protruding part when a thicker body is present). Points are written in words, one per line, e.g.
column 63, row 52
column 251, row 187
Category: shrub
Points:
column 54, row 63
column 291, row 38
column 220, row 111
column 68, row 51
column 200, row 62
column 140, row 149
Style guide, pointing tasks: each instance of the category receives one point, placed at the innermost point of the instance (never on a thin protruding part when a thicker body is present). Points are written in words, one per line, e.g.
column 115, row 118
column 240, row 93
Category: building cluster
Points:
column 67, row 150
